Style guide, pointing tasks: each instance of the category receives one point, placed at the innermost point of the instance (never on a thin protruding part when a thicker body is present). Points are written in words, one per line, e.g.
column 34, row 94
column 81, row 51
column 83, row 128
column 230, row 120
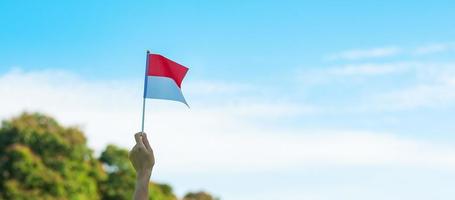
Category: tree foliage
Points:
column 199, row 196
column 42, row 160
column 121, row 178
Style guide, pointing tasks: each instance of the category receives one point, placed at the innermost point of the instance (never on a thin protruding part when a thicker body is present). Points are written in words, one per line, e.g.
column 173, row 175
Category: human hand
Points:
column 141, row 156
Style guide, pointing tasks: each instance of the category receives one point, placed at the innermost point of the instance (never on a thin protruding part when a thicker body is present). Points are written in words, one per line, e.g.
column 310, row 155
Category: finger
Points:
column 138, row 138
column 146, row 141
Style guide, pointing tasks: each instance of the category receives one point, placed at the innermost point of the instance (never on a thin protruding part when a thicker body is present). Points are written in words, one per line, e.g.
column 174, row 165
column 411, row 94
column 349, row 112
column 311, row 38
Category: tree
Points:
column 41, row 159
column 120, row 182
column 121, row 178
column 199, row 196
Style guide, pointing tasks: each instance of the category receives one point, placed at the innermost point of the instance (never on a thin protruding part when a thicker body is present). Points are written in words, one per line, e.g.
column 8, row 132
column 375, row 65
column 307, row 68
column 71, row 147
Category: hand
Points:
column 141, row 156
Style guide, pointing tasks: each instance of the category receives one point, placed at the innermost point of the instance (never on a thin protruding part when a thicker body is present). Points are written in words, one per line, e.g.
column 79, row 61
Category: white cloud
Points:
column 366, row 69
column 382, row 52
column 433, row 87
column 212, row 87
column 417, row 84
column 218, row 136
column 208, row 137
column 433, row 48
column 425, row 95
column 358, row 54
column 354, row 72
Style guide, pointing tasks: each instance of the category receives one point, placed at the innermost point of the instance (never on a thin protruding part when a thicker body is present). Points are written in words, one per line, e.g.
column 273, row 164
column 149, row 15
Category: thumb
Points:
column 138, row 138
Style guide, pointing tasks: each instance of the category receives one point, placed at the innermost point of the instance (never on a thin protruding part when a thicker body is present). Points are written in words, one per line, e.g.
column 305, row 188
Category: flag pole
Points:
column 145, row 90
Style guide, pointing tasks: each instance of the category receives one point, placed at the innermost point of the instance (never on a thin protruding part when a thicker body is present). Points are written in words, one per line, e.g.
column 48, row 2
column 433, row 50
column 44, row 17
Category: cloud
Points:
column 202, row 87
column 424, row 95
column 433, row 48
column 354, row 72
column 399, row 85
column 383, row 52
column 210, row 137
column 432, row 88
column 358, row 54
column 367, row 69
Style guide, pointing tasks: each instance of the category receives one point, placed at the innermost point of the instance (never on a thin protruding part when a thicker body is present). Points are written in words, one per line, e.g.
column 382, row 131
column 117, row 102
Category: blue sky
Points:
column 324, row 100
column 221, row 40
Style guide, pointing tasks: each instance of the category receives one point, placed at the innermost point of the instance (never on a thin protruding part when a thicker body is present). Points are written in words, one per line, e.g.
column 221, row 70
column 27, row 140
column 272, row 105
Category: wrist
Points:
column 143, row 175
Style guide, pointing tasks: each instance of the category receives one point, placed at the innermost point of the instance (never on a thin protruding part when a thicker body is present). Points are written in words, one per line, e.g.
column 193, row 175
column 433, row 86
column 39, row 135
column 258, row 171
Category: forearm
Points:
column 142, row 185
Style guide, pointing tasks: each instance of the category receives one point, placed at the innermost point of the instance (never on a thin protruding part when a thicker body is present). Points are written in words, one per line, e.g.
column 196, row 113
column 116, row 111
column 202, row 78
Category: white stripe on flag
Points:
column 159, row 87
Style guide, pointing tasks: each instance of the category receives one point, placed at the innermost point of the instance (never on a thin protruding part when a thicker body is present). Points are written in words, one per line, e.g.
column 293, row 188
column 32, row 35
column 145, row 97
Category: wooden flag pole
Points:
column 145, row 90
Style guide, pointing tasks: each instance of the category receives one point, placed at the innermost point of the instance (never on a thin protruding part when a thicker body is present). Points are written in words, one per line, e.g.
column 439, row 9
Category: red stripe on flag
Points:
column 161, row 66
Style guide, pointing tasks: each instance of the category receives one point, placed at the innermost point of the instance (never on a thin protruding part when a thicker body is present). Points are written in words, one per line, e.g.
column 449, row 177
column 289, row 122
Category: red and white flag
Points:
column 163, row 79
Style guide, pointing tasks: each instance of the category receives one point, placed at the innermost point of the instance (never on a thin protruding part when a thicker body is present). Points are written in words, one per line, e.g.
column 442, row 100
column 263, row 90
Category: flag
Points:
column 163, row 78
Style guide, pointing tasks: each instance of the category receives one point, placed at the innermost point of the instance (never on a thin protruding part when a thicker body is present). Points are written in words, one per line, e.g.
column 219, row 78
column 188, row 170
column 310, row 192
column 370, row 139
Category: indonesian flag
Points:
column 163, row 79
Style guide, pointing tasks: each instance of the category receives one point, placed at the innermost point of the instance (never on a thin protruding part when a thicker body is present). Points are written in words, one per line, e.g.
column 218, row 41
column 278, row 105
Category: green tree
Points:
column 41, row 159
column 121, row 178
column 199, row 196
